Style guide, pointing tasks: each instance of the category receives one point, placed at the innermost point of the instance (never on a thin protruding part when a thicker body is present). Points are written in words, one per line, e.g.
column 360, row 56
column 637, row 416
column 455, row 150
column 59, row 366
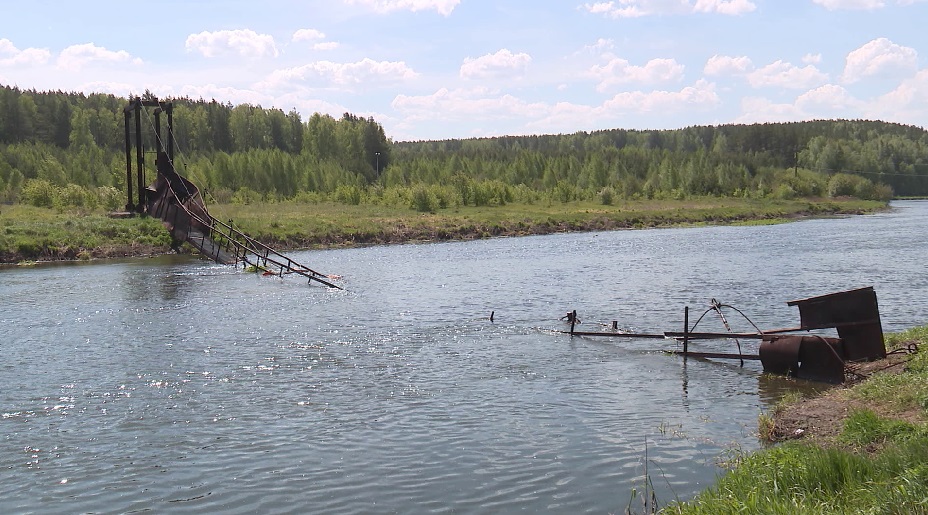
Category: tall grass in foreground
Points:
column 799, row 477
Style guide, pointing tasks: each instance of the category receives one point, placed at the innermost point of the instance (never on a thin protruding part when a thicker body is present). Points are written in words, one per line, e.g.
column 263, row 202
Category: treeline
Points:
column 60, row 148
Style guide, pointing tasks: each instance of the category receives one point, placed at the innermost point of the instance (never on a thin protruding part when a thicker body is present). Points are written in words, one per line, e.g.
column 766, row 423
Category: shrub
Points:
column 39, row 193
column 564, row 191
column 423, row 200
column 348, row 194
column 72, row 195
column 867, row 190
column 221, row 195
column 246, row 196
column 843, row 185
column 397, row 196
column 110, row 198
column 607, row 196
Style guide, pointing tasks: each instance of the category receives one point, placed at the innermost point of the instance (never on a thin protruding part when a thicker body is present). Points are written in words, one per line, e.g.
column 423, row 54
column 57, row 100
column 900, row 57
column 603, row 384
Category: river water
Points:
column 174, row 384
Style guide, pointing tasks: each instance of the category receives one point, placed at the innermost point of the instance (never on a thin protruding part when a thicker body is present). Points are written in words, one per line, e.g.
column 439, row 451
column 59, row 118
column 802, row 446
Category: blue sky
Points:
column 439, row 69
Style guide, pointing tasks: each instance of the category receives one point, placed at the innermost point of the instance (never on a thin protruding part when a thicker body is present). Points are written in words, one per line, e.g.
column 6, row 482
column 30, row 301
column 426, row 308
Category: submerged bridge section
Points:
column 177, row 202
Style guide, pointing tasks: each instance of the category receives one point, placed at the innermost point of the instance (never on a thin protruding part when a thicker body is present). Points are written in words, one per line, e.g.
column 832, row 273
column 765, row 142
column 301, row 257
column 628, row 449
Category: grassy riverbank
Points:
column 29, row 233
column 862, row 449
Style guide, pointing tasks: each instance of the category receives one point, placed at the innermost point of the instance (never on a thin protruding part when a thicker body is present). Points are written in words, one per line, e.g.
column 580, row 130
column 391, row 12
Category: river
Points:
column 174, row 384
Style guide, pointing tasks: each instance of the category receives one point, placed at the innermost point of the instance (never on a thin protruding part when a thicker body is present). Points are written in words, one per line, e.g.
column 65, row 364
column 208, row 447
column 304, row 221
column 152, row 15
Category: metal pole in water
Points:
column 686, row 329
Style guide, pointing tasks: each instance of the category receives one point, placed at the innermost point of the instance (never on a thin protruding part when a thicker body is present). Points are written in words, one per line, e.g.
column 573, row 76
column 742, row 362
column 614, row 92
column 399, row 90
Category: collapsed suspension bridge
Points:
column 177, row 202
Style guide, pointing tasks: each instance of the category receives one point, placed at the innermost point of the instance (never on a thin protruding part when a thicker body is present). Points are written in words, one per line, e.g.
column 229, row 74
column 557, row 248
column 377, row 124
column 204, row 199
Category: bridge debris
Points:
column 854, row 314
column 177, row 202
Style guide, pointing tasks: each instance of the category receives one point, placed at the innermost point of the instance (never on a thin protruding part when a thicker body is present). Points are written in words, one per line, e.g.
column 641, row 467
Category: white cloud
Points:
column 12, row 56
column 762, row 110
column 76, row 57
column 342, row 73
column 601, row 45
column 785, row 75
column 610, row 9
column 120, row 89
column 225, row 94
column 443, row 7
column 812, row 58
column 730, row 7
column 701, row 95
column 880, row 57
column 637, row 8
column 908, row 102
column 859, row 5
column 619, row 71
column 307, row 35
column 502, row 63
column 316, row 36
column 466, row 104
column 828, row 101
column 243, row 42
column 834, row 5
column 727, row 65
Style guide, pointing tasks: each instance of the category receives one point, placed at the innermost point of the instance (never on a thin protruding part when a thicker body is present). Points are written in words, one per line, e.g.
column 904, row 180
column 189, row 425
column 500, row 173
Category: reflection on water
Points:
column 171, row 383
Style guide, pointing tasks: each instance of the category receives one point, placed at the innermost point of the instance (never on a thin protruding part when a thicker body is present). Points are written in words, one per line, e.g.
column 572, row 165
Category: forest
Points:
column 65, row 149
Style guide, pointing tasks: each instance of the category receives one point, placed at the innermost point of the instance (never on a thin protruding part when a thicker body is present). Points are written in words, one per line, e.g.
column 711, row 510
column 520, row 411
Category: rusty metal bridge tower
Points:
column 177, row 202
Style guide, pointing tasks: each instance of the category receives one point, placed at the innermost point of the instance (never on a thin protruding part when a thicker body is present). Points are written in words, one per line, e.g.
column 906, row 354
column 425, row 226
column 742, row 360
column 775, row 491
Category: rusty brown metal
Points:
column 856, row 316
column 820, row 359
column 812, row 357
column 780, row 354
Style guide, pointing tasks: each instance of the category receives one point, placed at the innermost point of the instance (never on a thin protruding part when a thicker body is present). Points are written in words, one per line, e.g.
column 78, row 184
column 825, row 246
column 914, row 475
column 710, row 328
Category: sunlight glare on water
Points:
column 171, row 383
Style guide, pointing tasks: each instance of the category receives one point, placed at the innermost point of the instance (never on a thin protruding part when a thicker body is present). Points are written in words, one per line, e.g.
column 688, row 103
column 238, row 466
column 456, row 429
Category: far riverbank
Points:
column 29, row 234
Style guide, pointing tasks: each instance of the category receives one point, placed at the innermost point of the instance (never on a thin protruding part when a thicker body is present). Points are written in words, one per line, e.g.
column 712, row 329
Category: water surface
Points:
column 174, row 384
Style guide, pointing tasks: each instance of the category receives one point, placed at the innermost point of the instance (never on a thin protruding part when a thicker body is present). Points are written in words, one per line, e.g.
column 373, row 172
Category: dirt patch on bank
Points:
column 821, row 419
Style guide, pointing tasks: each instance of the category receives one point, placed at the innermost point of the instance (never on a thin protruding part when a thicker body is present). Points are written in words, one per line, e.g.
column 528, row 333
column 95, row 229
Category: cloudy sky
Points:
column 438, row 69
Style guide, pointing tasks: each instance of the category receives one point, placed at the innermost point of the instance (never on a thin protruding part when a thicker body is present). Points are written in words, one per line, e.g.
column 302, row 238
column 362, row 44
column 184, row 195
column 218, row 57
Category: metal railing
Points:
column 213, row 237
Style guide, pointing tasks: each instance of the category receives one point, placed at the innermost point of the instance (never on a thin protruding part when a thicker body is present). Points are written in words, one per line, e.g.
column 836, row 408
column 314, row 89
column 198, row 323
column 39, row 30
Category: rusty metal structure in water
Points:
column 853, row 314
column 177, row 202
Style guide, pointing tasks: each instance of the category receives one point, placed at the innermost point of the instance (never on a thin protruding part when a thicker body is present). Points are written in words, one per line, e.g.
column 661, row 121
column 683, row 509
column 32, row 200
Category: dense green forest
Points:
column 68, row 149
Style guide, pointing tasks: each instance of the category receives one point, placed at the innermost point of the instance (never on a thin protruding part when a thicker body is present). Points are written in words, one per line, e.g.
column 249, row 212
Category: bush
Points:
column 110, row 198
column 867, row 190
column 246, row 196
column 843, row 185
column 607, row 196
column 423, row 200
column 221, row 195
column 39, row 193
column 73, row 195
column 564, row 191
column 396, row 196
column 308, row 197
column 348, row 194
column 785, row 192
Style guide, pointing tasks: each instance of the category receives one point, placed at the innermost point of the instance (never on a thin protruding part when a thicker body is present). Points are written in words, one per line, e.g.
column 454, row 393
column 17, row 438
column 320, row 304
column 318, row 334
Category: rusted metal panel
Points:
column 820, row 359
column 856, row 316
column 807, row 357
column 780, row 354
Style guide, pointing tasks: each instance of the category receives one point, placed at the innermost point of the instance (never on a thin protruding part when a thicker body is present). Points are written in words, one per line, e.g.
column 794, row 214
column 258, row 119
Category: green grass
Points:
column 863, row 427
column 796, row 478
column 901, row 392
column 29, row 233
column 880, row 466
column 325, row 223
